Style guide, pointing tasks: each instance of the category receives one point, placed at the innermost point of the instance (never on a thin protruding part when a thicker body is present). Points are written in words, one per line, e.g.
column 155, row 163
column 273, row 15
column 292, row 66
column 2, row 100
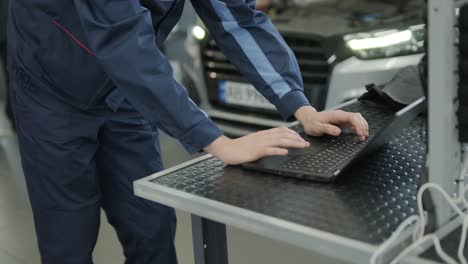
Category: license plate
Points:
column 242, row 94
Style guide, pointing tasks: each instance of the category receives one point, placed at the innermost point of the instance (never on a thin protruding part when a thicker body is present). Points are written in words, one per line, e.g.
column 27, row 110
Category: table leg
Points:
column 209, row 241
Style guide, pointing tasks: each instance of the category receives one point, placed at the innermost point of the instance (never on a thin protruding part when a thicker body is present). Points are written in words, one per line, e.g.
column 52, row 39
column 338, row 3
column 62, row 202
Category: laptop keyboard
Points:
column 336, row 150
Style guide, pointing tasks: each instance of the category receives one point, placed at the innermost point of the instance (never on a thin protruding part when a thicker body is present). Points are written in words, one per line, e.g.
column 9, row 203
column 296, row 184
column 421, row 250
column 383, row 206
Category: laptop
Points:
column 328, row 156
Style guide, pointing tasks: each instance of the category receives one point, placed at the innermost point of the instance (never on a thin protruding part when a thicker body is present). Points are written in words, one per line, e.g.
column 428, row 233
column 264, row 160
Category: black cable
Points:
column 462, row 112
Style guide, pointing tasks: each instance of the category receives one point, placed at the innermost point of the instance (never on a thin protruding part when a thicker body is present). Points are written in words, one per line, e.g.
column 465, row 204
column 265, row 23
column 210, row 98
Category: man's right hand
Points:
column 272, row 142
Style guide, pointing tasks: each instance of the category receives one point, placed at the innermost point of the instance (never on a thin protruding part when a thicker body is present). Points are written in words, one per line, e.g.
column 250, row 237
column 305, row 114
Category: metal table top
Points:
column 349, row 217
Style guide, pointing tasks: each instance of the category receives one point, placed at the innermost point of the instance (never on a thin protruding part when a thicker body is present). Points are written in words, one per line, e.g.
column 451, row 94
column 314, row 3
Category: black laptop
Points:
column 328, row 156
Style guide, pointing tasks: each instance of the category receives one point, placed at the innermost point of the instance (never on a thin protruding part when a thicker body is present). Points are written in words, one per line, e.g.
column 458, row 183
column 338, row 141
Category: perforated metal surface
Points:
column 366, row 203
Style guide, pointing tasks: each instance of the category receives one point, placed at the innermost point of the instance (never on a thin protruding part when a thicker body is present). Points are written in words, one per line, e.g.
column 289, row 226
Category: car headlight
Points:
column 198, row 32
column 386, row 43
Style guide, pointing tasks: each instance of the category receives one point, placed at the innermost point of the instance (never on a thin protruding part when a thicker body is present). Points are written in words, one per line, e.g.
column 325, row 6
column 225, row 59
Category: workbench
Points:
column 346, row 219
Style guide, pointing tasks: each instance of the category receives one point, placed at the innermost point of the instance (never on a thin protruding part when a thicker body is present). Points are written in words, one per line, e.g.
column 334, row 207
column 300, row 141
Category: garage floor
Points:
column 18, row 242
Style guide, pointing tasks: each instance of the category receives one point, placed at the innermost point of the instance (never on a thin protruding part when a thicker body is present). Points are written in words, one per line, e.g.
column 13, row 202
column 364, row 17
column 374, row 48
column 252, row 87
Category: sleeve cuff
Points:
column 290, row 102
column 200, row 136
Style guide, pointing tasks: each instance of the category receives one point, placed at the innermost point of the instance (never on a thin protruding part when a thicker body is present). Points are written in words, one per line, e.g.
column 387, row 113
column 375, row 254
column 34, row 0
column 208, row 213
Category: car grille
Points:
column 310, row 55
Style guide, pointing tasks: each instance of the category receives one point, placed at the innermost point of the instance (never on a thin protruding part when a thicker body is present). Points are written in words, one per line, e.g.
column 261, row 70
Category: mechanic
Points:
column 90, row 87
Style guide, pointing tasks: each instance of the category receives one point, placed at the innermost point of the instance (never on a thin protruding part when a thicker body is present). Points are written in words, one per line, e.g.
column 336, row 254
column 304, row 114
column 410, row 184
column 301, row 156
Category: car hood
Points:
column 338, row 17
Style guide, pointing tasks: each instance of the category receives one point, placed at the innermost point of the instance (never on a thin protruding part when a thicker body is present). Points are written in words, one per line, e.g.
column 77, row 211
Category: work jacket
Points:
column 3, row 16
column 87, row 50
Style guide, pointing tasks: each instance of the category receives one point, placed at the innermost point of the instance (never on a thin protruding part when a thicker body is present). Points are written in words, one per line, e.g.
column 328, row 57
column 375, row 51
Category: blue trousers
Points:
column 78, row 161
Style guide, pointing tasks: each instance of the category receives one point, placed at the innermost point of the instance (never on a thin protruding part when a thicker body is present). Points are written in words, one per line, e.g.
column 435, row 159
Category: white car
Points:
column 340, row 45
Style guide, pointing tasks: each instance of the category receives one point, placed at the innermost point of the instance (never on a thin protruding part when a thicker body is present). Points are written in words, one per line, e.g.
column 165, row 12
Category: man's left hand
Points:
column 329, row 122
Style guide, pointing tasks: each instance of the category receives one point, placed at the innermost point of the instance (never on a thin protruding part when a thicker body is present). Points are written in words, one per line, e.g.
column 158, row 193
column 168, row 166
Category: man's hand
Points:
column 276, row 141
column 319, row 123
column 272, row 142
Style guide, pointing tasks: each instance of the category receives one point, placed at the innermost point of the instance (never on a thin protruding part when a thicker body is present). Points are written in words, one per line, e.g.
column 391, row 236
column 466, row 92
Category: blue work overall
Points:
column 89, row 89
